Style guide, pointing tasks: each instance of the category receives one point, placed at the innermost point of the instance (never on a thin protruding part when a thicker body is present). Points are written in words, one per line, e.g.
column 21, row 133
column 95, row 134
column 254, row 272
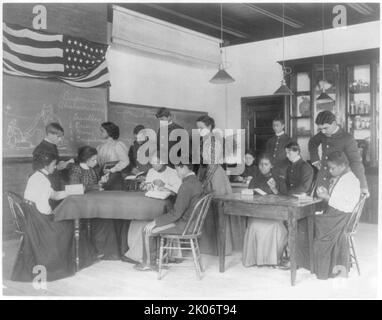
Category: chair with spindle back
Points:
column 351, row 229
column 188, row 240
column 18, row 215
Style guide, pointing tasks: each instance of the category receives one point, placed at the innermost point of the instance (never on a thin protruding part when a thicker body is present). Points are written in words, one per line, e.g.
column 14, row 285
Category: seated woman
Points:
column 250, row 169
column 265, row 240
column 103, row 233
column 47, row 243
column 330, row 247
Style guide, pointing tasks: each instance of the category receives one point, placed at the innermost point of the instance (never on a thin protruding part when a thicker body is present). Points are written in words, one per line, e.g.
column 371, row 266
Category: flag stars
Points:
column 86, row 46
column 75, row 42
column 69, row 41
column 80, row 44
column 72, row 50
column 67, row 50
column 69, row 58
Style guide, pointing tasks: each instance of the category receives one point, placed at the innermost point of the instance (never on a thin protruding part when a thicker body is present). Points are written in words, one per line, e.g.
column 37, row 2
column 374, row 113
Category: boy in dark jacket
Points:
column 175, row 220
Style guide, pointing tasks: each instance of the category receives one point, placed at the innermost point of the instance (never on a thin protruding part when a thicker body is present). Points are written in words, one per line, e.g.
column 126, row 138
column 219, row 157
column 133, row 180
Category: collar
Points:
column 47, row 140
column 280, row 134
column 45, row 172
column 84, row 166
column 188, row 175
column 298, row 160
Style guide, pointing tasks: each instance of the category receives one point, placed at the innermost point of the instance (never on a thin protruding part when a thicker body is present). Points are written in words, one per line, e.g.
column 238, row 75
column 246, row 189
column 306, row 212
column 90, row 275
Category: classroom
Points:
column 220, row 150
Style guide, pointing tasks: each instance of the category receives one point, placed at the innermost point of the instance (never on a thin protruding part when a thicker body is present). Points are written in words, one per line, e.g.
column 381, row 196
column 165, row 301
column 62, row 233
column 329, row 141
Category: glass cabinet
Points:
column 358, row 111
column 351, row 80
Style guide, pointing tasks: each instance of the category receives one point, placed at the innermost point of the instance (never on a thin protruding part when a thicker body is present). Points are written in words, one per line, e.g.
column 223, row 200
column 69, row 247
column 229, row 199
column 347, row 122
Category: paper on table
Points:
column 303, row 197
column 158, row 194
column 259, row 191
column 74, row 189
column 247, row 191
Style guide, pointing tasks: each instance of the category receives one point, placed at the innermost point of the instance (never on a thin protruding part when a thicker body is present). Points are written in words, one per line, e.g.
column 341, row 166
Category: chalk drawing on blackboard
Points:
column 19, row 139
column 16, row 138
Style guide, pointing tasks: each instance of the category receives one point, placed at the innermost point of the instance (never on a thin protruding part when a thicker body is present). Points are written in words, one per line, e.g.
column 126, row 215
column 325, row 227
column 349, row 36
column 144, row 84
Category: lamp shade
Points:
column 221, row 77
column 324, row 97
column 283, row 90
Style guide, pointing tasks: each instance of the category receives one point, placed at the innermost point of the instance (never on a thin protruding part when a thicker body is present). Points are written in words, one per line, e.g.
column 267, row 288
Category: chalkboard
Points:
column 30, row 104
column 127, row 116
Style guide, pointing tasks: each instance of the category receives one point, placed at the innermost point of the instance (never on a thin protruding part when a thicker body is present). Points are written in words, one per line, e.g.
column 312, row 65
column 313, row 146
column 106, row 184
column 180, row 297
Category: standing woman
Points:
column 214, row 179
column 102, row 230
column 113, row 158
column 47, row 243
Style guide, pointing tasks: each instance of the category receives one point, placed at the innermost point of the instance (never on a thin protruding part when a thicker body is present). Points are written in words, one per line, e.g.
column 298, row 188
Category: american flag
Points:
column 32, row 53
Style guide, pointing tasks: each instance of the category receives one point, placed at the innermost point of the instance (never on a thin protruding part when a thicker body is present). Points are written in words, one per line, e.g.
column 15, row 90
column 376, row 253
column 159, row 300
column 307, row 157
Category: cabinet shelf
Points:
column 300, row 117
column 359, row 114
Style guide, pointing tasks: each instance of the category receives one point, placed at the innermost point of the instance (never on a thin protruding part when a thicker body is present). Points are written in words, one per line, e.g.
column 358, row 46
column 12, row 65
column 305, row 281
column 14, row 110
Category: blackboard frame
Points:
column 155, row 107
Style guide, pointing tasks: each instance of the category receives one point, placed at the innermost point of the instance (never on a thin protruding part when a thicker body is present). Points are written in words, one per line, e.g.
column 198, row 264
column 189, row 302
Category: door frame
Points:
column 245, row 107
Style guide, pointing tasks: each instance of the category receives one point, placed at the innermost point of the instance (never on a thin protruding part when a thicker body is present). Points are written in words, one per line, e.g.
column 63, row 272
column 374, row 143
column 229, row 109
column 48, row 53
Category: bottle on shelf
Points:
column 352, row 107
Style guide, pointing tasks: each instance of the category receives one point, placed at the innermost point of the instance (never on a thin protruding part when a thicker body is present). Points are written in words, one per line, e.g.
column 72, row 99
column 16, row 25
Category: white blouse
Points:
column 39, row 191
column 346, row 193
column 113, row 150
column 169, row 177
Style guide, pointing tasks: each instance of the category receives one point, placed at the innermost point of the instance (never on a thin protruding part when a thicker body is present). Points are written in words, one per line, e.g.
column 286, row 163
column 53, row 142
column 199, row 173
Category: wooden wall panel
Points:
column 85, row 20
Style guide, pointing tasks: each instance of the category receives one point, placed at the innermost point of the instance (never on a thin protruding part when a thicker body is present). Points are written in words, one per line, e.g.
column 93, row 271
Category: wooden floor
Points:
column 119, row 279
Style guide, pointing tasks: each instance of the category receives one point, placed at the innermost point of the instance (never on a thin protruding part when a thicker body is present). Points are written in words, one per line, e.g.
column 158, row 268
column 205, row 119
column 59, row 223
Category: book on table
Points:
column 156, row 194
column 74, row 189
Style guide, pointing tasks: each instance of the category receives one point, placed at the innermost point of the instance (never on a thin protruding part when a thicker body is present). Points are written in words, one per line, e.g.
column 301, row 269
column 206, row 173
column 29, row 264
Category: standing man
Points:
column 166, row 126
column 275, row 146
column 333, row 138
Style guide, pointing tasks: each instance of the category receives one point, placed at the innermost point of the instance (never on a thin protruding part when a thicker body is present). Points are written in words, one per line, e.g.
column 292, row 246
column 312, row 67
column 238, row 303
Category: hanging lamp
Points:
column 323, row 97
column 222, row 76
column 284, row 89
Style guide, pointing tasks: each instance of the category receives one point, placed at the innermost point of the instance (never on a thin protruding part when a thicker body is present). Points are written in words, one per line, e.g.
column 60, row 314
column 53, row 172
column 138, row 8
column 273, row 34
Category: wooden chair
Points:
column 188, row 240
column 18, row 215
column 350, row 231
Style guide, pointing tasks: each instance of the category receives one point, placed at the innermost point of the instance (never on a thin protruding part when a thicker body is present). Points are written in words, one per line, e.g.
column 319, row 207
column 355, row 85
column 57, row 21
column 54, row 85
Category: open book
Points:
column 134, row 176
column 156, row 194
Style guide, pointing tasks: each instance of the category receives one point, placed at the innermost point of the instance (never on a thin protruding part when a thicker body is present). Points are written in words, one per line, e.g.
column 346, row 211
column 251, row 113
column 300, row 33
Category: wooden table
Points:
column 108, row 205
column 238, row 186
column 276, row 207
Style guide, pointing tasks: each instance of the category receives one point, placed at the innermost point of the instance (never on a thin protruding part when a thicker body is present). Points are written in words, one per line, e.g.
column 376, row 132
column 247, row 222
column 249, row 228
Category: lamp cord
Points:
column 323, row 43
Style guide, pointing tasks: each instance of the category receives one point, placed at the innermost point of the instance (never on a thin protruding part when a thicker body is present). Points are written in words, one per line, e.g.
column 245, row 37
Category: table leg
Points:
column 77, row 242
column 292, row 235
column 311, row 239
column 222, row 218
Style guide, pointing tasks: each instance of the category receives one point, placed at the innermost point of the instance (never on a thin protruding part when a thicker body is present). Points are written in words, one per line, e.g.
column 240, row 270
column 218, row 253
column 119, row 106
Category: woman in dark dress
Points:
column 250, row 169
column 265, row 239
column 102, row 230
column 47, row 244
column 214, row 179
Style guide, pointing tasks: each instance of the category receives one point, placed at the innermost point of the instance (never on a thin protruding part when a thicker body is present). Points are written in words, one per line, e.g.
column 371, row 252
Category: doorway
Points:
column 257, row 116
